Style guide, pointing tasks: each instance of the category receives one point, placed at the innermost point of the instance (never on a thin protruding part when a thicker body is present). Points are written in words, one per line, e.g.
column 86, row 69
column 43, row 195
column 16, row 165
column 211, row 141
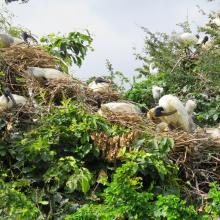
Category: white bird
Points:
column 7, row 40
column 8, row 100
column 119, row 107
column 46, row 73
column 100, row 85
column 187, row 39
column 153, row 69
column 172, row 111
column 157, row 92
column 190, row 107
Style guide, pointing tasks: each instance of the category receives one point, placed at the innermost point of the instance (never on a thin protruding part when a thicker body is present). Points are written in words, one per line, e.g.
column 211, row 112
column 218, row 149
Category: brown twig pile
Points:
column 198, row 157
column 19, row 57
column 110, row 146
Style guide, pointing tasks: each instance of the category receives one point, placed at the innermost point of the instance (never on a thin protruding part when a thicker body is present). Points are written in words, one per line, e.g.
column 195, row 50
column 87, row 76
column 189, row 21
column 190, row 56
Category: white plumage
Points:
column 190, row 107
column 180, row 119
column 119, row 107
column 153, row 69
column 99, row 87
column 6, row 103
column 47, row 73
column 7, row 40
column 157, row 92
column 187, row 39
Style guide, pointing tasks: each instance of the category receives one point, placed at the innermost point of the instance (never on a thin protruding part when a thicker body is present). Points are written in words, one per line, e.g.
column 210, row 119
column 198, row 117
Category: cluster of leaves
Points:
column 72, row 48
column 127, row 197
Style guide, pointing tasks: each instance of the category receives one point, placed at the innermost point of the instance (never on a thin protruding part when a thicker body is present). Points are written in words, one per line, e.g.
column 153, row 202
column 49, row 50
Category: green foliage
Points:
column 66, row 172
column 172, row 207
column 72, row 48
column 15, row 205
column 213, row 208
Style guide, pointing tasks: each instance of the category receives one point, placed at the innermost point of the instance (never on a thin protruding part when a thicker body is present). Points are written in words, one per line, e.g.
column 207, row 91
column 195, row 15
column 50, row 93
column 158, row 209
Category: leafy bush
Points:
column 15, row 205
column 71, row 48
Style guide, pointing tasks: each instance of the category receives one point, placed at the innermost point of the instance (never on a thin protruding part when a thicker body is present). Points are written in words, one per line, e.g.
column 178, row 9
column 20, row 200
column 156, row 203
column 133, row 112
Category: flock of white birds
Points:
column 170, row 113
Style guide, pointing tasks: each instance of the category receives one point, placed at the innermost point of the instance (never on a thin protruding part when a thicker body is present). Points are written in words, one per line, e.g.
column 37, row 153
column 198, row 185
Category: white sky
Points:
column 114, row 24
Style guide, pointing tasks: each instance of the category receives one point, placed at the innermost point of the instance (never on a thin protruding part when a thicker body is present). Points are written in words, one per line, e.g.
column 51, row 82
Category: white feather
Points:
column 47, row 73
column 187, row 39
column 190, row 107
column 157, row 92
column 119, row 107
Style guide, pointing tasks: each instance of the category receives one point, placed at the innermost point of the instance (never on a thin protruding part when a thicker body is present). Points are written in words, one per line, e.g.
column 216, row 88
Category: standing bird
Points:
column 28, row 38
column 153, row 69
column 100, row 85
column 7, row 40
column 9, row 100
column 157, row 93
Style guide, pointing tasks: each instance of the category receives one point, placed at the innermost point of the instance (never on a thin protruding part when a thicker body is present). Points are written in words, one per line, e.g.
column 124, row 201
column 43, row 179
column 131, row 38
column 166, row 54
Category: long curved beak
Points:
column 166, row 113
column 12, row 99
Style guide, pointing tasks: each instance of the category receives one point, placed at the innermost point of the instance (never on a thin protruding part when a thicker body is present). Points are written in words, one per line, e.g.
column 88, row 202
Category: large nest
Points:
column 197, row 154
column 14, row 62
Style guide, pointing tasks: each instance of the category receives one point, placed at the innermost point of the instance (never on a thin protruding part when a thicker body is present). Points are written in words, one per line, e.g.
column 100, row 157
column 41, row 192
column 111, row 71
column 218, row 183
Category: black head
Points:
column 159, row 112
column 197, row 36
column 101, row 80
column 25, row 36
column 98, row 101
column 7, row 93
column 205, row 39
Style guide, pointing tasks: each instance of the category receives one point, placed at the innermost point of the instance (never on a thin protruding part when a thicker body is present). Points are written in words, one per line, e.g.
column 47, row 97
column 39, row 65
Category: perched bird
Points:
column 100, row 85
column 157, row 92
column 119, row 107
column 28, row 38
column 46, row 73
column 153, row 69
column 7, row 40
column 172, row 111
column 187, row 39
column 9, row 100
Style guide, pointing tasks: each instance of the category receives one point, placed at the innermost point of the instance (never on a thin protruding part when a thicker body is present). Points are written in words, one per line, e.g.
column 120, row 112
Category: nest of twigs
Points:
column 198, row 157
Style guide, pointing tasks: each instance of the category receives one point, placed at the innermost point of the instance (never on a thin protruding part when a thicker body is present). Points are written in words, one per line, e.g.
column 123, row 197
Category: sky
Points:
column 114, row 25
